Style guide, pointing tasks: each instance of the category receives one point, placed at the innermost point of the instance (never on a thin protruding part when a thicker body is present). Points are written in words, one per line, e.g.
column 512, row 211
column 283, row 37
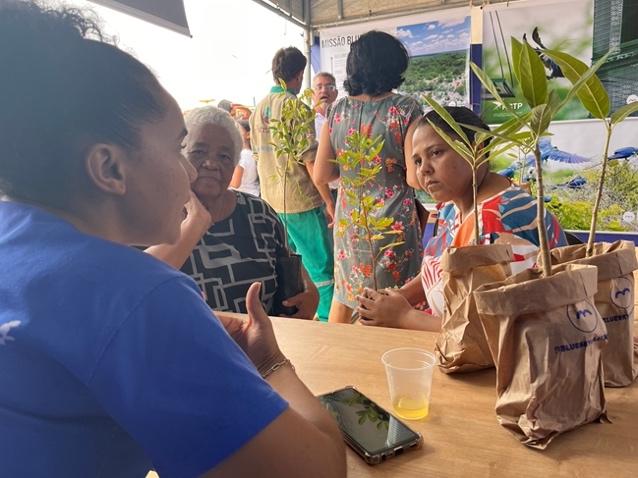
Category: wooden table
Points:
column 461, row 436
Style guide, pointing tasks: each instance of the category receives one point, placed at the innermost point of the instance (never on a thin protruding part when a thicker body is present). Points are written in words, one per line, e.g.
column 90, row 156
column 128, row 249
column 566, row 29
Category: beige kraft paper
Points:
column 614, row 300
column 546, row 338
column 461, row 345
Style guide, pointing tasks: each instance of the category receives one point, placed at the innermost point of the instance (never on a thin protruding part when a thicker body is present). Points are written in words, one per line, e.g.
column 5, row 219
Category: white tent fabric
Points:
column 165, row 13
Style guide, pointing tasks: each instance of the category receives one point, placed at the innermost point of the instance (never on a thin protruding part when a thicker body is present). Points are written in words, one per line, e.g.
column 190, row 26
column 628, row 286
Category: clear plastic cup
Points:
column 409, row 372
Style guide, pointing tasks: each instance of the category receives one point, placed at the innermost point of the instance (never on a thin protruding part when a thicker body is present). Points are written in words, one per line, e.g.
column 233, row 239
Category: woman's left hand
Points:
column 306, row 302
column 385, row 308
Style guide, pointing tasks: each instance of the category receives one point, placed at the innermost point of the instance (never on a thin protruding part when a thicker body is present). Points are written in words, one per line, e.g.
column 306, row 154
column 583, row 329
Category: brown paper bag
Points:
column 546, row 338
column 461, row 345
column 614, row 300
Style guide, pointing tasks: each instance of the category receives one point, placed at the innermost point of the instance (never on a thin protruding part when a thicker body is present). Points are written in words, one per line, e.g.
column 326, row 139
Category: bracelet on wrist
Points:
column 275, row 367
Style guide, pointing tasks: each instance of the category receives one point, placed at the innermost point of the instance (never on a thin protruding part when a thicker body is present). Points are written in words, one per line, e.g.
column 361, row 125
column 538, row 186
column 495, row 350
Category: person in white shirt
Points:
column 324, row 87
column 245, row 178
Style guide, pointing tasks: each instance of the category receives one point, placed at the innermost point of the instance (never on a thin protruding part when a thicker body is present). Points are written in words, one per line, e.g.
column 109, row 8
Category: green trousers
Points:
column 308, row 235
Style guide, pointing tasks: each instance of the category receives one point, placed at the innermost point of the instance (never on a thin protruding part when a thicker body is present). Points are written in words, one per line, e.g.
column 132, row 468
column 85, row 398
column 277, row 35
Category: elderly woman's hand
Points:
column 306, row 302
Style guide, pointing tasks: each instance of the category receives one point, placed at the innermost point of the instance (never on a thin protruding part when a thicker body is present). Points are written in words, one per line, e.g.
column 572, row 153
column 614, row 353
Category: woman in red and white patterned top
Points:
column 507, row 215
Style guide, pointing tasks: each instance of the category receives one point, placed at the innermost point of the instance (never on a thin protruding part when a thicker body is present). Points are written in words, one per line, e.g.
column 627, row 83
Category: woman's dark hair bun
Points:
column 62, row 89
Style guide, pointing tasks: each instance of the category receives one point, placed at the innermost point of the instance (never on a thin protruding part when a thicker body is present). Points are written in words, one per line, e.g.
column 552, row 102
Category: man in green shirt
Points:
column 308, row 231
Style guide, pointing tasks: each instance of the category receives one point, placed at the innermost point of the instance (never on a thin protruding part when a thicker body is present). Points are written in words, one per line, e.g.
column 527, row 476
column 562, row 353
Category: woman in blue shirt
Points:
column 111, row 362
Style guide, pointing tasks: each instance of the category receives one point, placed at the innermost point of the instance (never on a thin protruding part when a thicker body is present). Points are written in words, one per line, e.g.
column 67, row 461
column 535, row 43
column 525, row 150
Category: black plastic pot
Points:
column 289, row 282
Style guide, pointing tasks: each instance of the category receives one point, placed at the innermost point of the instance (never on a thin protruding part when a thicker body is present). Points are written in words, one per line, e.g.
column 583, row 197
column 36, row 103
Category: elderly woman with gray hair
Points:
column 229, row 239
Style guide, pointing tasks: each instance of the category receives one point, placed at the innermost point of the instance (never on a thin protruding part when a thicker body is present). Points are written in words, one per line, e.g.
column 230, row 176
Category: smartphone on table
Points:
column 367, row 428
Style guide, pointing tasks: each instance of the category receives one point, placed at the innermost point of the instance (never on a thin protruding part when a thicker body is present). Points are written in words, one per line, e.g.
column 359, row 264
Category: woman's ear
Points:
column 105, row 168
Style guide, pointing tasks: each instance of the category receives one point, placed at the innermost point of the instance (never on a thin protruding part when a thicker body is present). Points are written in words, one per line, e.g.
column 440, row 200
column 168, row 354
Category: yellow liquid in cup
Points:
column 411, row 408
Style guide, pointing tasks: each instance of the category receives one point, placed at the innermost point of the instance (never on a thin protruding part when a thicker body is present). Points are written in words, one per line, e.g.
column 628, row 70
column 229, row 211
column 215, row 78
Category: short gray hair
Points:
column 325, row 74
column 211, row 115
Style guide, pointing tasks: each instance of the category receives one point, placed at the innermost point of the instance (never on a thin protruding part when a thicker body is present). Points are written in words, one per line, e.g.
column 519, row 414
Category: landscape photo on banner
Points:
column 438, row 44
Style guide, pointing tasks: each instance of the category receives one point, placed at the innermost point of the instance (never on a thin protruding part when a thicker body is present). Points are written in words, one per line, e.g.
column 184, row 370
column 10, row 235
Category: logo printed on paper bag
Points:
column 622, row 293
column 583, row 316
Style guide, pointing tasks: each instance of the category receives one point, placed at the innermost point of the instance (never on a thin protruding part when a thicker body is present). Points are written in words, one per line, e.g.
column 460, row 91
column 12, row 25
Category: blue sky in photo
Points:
column 436, row 37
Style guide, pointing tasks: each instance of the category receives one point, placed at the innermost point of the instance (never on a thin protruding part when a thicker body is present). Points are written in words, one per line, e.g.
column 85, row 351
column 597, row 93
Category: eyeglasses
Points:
column 329, row 87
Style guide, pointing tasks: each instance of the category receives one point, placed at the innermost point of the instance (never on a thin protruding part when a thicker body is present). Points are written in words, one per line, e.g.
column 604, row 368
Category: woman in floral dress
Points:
column 375, row 67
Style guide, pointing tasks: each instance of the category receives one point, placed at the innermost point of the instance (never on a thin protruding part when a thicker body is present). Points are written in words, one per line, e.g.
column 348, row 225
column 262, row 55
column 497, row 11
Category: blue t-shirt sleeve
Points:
column 180, row 386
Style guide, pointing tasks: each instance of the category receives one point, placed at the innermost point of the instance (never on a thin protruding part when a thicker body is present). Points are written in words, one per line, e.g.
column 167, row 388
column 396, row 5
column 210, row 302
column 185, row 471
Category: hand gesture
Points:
column 255, row 335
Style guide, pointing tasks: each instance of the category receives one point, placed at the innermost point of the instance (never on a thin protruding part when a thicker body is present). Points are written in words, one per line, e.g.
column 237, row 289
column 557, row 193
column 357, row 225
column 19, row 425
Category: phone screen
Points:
column 369, row 425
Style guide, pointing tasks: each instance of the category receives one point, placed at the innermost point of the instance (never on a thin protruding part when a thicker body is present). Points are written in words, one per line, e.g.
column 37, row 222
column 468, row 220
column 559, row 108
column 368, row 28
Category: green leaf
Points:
column 540, row 120
column 461, row 146
column 481, row 137
column 384, row 222
column 494, row 133
column 377, row 149
column 495, row 153
column 554, row 100
column 452, row 142
column 530, row 73
column 621, row 113
column 442, row 112
column 590, row 91
column 371, row 171
column 487, row 83
column 368, row 201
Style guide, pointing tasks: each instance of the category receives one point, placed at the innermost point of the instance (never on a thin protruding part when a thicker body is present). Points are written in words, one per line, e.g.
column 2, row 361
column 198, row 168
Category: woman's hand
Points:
column 390, row 308
column 330, row 214
column 306, row 302
column 194, row 226
column 386, row 308
column 197, row 216
column 255, row 335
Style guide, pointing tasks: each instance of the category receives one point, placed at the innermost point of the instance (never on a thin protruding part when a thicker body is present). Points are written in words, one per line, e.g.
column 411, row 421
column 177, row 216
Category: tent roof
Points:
column 313, row 14
column 323, row 13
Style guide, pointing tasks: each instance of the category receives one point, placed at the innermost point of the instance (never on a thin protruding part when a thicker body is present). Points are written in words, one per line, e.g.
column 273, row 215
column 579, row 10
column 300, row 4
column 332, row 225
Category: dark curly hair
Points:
column 375, row 64
column 286, row 63
column 62, row 90
column 460, row 114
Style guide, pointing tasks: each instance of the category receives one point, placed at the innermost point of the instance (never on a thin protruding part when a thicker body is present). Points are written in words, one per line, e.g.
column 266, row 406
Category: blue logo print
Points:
column 583, row 316
column 625, row 291
column 582, row 313
column 622, row 293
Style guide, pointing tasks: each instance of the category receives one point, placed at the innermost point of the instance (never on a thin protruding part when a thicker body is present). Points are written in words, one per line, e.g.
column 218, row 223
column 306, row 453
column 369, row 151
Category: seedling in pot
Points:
column 359, row 155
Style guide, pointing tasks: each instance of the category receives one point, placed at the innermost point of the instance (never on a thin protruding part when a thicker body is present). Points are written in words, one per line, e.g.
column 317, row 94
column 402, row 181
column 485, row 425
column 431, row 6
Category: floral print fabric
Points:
column 390, row 118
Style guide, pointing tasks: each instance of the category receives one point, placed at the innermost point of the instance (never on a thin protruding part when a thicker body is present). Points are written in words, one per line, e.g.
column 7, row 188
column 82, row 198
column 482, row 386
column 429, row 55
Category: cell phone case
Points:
column 382, row 455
